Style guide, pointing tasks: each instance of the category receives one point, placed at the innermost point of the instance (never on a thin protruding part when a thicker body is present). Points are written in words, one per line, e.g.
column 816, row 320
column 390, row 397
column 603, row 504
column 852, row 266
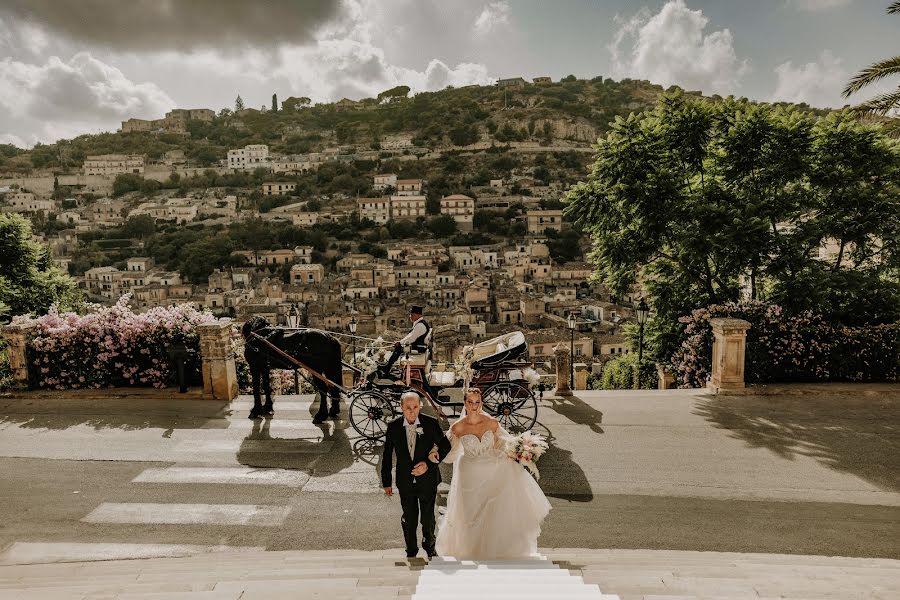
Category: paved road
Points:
column 802, row 474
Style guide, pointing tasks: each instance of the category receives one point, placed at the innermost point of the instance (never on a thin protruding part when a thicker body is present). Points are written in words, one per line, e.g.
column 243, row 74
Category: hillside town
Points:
column 471, row 291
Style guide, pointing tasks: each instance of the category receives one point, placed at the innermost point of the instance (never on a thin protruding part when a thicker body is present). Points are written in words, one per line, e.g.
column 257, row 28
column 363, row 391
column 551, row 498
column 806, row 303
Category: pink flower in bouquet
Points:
column 526, row 448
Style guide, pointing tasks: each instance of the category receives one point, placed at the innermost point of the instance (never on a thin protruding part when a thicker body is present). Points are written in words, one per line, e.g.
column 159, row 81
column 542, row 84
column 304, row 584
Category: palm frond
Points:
column 873, row 73
column 880, row 105
column 894, row 8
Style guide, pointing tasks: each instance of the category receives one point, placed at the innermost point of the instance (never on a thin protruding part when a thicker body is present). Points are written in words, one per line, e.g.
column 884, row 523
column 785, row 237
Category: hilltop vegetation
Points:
column 572, row 111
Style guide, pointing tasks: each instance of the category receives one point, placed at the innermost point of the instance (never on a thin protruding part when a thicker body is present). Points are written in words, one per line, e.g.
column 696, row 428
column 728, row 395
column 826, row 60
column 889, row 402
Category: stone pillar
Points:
column 347, row 378
column 666, row 378
column 581, row 376
column 729, row 345
column 219, row 373
column 16, row 337
column 563, row 369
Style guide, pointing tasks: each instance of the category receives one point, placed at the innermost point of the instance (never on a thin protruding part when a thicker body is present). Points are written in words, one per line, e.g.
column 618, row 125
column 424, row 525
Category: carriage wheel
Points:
column 512, row 404
column 370, row 413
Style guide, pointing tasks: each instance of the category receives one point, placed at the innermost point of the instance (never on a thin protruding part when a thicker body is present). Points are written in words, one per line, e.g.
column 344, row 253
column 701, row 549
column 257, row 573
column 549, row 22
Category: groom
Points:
column 420, row 445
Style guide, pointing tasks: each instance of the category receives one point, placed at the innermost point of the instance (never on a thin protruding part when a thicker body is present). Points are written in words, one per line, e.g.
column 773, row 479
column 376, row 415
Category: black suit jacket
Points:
column 395, row 440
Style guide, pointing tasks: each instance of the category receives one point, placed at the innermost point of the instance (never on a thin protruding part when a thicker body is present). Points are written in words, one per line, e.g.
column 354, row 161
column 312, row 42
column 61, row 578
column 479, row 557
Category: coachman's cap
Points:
column 416, row 310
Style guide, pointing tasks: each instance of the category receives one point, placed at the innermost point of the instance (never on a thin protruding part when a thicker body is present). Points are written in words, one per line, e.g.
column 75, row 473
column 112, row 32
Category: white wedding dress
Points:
column 495, row 508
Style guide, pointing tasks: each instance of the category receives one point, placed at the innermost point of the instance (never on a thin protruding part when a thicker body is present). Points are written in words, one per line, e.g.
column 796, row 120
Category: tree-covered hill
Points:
column 572, row 111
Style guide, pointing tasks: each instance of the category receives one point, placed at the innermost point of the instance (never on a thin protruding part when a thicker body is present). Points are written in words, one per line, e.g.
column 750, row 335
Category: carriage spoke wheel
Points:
column 512, row 404
column 370, row 413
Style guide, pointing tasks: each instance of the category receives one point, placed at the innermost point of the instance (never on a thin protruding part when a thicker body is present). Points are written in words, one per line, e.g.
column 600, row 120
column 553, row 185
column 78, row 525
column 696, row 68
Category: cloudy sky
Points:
column 75, row 66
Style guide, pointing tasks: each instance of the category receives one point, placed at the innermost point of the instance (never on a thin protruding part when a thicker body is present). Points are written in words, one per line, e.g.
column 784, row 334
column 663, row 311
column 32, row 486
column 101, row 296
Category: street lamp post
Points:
column 293, row 320
column 353, row 323
column 572, row 322
column 642, row 312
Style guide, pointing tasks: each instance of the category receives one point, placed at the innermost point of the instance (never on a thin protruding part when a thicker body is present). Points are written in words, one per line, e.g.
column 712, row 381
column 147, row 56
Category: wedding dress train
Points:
column 495, row 508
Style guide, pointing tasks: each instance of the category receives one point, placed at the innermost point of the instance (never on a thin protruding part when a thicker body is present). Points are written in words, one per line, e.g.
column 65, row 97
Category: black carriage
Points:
column 493, row 366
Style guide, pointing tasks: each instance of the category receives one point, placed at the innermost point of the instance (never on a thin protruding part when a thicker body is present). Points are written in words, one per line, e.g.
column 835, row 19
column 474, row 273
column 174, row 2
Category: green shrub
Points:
column 618, row 374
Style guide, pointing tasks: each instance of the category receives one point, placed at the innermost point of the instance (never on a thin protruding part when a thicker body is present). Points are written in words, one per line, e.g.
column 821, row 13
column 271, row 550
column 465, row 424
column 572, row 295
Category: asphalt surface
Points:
column 799, row 474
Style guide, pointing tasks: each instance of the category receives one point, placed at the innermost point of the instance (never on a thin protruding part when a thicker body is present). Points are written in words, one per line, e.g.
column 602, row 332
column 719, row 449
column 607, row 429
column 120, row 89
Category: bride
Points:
column 495, row 508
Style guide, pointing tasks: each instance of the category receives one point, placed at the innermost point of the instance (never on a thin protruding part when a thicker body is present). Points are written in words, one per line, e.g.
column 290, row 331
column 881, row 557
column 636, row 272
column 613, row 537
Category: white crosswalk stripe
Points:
column 188, row 514
column 224, row 475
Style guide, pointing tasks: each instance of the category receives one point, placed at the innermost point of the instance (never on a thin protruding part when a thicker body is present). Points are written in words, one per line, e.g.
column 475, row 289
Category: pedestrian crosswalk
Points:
column 258, row 466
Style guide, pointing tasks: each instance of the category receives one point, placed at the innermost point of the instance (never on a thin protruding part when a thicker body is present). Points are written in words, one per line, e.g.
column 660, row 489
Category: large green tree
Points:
column 699, row 200
column 29, row 281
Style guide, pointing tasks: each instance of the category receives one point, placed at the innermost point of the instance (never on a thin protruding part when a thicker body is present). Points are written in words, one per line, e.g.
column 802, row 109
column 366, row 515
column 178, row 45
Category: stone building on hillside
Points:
column 461, row 208
column 249, row 157
column 114, row 164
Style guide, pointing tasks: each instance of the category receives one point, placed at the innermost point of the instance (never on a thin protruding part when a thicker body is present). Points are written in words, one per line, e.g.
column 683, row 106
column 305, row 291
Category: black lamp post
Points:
column 571, row 322
column 293, row 320
column 352, row 325
column 642, row 312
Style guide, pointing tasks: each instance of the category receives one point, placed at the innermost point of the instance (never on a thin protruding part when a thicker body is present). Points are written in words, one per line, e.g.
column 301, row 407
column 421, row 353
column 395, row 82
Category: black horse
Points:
column 316, row 349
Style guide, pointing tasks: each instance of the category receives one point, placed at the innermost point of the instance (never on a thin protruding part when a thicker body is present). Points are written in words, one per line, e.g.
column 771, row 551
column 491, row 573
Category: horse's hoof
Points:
column 254, row 415
column 318, row 419
column 334, row 414
column 268, row 410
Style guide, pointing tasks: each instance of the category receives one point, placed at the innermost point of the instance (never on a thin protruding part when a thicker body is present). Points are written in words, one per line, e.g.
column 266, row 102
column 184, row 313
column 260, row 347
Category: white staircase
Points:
column 535, row 578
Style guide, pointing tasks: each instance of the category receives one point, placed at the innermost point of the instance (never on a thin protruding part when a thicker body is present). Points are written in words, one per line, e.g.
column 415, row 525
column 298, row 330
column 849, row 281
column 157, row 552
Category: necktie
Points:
column 411, row 439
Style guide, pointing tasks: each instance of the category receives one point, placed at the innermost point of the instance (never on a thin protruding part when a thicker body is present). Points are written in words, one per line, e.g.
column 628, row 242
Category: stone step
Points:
column 21, row 553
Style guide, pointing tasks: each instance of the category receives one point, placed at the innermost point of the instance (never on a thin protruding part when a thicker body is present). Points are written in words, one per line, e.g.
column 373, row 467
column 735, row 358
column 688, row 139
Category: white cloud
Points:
column 336, row 68
column 817, row 5
column 671, row 47
column 42, row 102
column 492, row 17
column 8, row 138
column 48, row 96
column 817, row 83
column 346, row 60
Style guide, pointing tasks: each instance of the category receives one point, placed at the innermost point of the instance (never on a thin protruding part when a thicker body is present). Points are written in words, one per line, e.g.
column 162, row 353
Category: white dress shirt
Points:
column 417, row 331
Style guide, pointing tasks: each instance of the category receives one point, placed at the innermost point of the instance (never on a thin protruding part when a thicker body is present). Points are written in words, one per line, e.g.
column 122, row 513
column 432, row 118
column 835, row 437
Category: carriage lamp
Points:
column 353, row 323
column 572, row 322
column 293, row 316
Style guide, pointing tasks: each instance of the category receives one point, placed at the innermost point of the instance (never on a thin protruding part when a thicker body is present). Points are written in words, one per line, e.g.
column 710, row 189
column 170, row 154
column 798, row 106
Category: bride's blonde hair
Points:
column 473, row 390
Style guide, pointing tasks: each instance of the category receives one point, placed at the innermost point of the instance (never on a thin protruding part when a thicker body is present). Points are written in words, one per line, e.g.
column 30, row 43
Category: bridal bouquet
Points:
column 526, row 448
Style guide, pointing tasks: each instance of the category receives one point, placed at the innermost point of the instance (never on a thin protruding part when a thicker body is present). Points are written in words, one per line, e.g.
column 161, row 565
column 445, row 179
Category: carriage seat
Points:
column 441, row 378
column 415, row 360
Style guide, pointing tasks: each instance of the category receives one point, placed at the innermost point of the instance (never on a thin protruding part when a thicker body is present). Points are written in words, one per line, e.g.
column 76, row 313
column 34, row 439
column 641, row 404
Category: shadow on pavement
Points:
column 577, row 410
column 326, row 455
column 114, row 413
column 857, row 433
column 561, row 476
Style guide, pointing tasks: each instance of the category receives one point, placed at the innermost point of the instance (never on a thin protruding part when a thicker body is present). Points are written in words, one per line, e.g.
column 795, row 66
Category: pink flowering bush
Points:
column 110, row 346
column 798, row 348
